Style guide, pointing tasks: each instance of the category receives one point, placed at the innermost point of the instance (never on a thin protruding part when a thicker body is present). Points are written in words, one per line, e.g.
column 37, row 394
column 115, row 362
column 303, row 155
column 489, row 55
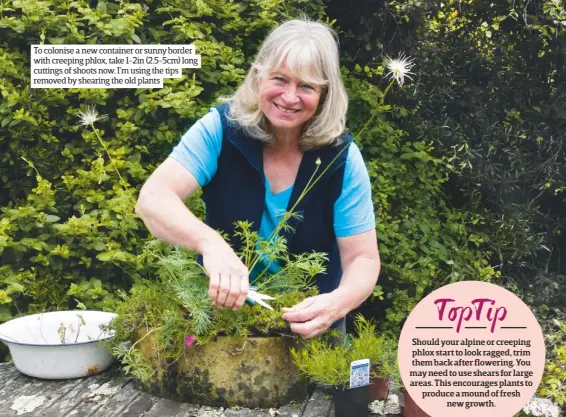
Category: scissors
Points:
column 256, row 297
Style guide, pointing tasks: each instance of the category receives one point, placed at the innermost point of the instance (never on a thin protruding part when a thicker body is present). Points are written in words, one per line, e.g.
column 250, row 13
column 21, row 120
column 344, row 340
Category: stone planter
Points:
column 247, row 372
column 411, row 409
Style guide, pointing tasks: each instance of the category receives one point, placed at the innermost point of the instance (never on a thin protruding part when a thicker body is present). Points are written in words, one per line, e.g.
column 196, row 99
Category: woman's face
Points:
column 287, row 101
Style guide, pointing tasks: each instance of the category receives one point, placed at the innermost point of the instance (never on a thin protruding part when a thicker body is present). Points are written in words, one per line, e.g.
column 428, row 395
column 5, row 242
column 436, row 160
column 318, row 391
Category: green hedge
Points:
column 68, row 234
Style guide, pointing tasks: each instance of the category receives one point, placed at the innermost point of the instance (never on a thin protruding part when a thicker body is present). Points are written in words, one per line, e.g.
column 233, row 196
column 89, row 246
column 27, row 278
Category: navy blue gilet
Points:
column 237, row 192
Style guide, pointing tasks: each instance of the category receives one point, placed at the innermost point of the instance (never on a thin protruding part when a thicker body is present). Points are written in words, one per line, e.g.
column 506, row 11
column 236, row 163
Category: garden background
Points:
column 467, row 159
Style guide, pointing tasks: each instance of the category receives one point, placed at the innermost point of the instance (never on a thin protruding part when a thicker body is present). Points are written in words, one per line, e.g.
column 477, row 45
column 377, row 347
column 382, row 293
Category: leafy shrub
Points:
column 68, row 234
column 553, row 384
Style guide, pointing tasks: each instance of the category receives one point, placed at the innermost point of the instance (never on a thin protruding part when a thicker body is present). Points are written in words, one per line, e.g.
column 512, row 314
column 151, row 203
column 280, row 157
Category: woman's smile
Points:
column 285, row 109
column 287, row 101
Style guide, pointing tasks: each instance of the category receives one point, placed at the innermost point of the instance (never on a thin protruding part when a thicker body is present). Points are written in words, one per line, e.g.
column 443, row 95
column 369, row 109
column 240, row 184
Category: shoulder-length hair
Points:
column 310, row 52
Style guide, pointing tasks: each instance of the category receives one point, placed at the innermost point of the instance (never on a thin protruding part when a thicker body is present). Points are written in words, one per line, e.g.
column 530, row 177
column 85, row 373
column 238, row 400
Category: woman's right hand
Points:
column 229, row 278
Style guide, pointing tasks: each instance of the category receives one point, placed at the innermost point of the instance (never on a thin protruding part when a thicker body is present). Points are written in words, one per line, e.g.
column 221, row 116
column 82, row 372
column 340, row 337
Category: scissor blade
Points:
column 264, row 304
column 258, row 298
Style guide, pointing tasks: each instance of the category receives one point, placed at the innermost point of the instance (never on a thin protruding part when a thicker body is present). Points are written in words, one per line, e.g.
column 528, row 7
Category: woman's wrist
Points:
column 209, row 240
column 340, row 303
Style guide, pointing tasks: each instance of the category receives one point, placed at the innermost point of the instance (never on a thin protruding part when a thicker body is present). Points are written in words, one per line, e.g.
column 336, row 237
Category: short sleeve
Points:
column 353, row 210
column 200, row 146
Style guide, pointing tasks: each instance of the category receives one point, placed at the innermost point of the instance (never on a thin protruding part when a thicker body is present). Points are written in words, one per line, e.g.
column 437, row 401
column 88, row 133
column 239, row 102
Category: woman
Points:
column 253, row 158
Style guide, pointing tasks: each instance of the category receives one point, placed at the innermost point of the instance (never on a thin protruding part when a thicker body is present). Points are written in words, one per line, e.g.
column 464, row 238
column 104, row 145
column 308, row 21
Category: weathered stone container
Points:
column 247, row 372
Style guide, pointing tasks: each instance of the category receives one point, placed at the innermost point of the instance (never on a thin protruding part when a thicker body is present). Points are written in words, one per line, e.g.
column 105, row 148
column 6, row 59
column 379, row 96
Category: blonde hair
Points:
column 310, row 52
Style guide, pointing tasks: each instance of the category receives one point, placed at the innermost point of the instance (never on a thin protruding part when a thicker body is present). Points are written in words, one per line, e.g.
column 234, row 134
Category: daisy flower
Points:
column 400, row 68
column 90, row 116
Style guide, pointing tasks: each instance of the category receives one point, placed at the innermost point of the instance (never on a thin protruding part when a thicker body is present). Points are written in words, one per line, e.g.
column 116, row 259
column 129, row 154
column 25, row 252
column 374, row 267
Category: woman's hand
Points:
column 313, row 316
column 161, row 207
column 229, row 278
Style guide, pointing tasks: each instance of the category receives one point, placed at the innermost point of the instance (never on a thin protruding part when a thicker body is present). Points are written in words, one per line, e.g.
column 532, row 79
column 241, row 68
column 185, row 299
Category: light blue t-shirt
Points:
column 200, row 147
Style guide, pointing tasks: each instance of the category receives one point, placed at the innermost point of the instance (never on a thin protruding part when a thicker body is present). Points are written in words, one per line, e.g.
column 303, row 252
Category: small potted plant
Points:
column 329, row 365
column 382, row 353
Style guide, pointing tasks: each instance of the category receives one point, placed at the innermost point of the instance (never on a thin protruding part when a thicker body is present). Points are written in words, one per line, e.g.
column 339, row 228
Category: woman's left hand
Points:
column 313, row 316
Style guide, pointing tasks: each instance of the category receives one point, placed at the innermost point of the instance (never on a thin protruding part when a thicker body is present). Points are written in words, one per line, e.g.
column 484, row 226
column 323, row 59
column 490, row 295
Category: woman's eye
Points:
column 307, row 87
column 280, row 79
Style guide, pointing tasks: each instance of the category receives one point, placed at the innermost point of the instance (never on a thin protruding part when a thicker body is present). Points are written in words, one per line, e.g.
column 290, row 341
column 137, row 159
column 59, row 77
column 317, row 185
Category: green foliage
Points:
column 553, row 384
column 326, row 362
column 176, row 305
column 467, row 162
column 468, row 159
column 380, row 350
column 424, row 242
column 323, row 362
column 68, row 233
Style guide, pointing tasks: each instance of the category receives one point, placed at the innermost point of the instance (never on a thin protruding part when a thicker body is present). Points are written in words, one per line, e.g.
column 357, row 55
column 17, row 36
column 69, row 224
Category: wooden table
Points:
column 111, row 395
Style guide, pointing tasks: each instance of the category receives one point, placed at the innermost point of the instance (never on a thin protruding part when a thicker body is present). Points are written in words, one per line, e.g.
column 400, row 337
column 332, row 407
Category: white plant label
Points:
column 359, row 373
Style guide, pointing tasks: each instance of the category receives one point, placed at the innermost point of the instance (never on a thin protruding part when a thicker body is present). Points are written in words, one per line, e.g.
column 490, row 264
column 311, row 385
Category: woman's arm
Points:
column 160, row 206
column 361, row 265
column 360, row 262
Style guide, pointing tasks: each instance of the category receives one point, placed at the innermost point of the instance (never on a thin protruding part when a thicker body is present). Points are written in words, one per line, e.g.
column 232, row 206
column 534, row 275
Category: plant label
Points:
column 359, row 373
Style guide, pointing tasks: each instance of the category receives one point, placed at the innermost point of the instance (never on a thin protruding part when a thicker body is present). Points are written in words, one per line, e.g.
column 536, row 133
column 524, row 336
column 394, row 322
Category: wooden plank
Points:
column 85, row 397
column 116, row 403
column 34, row 396
column 139, row 407
column 10, row 381
column 11, row 388
column 164, row 407
column 8, row 372
column 129, row 402
column 393, row 404
column 111, row 395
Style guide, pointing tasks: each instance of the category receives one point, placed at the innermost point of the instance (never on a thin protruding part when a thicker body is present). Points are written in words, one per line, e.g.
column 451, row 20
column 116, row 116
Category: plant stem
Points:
column 381, row 104
column 143, row 337
column 78, row 332
column 111, row 160
column 286, row 217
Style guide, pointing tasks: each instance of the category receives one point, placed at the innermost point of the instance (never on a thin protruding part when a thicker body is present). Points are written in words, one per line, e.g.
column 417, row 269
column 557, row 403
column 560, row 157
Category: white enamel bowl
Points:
column 59, row 345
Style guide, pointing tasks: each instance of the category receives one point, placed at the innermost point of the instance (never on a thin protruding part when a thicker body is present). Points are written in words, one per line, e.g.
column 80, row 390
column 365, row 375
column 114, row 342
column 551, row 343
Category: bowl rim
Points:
column 12, row 342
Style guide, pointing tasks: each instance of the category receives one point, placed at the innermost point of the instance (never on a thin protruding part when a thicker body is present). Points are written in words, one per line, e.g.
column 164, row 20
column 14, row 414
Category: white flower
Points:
column 542, row 407
column 90, row 116
column 400, row 68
